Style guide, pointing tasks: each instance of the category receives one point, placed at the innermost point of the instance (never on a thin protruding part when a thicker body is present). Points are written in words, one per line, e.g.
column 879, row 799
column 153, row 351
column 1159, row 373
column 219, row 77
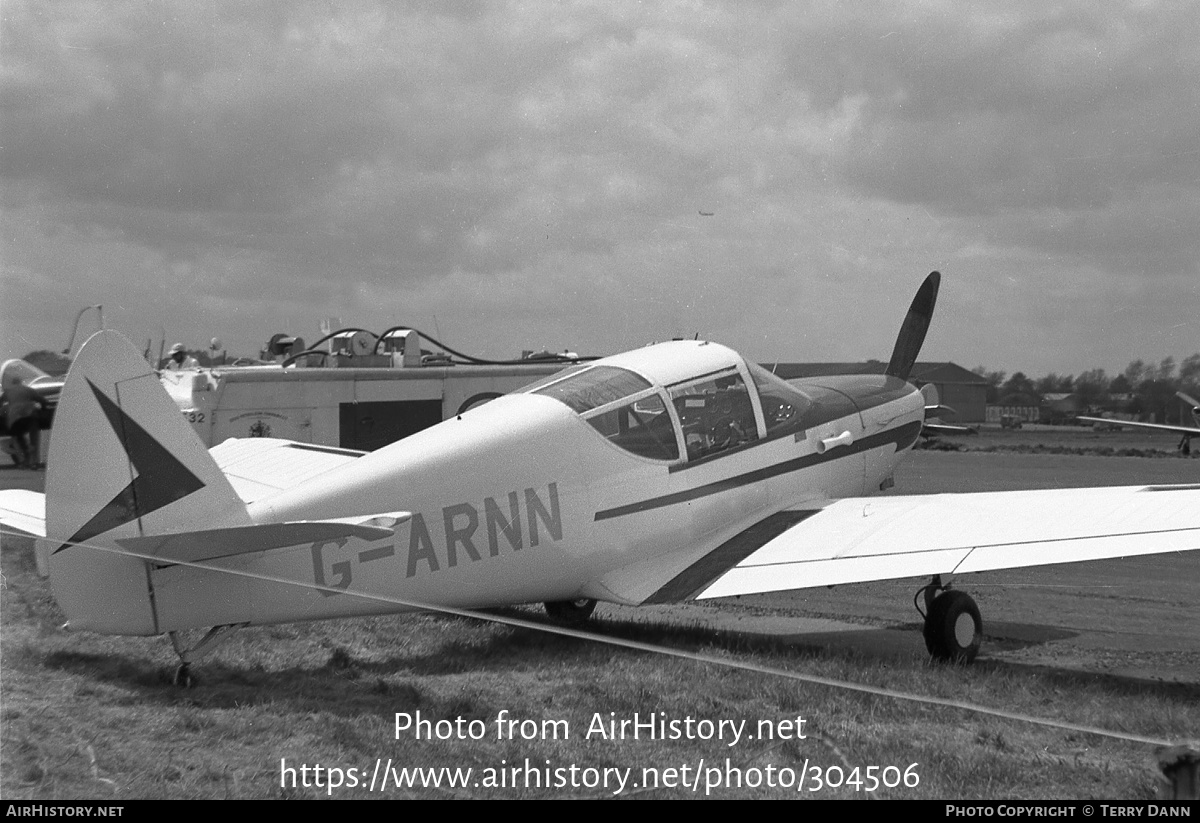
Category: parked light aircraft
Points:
column 47, row 387
column 1188, row 432
column 674, row 472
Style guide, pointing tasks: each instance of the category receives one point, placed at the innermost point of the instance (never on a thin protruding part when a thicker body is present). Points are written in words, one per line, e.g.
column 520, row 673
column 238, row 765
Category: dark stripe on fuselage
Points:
column 833, row 397
column 701, row 574
column 903, row 437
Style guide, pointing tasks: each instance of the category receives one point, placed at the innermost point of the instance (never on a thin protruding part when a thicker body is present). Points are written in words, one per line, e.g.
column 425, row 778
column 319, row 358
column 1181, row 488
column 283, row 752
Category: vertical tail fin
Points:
column 123, row 463
column 912, row 332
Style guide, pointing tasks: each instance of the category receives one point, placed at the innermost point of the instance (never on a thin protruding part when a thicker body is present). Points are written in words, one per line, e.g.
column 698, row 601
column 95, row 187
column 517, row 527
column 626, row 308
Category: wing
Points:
column 1189, row 430
column 24, row 511
column 855, row 540
column 260, row 466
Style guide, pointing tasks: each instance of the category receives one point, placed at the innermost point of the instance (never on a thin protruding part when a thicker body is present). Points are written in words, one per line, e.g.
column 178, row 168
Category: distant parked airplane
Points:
column 45, row 385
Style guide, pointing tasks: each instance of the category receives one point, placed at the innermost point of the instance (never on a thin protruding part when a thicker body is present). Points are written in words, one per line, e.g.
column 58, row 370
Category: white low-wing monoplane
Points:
column 674, row 472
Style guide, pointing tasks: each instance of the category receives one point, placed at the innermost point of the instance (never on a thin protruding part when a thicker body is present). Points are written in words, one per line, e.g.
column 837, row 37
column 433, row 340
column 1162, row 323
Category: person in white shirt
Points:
column 180, row 359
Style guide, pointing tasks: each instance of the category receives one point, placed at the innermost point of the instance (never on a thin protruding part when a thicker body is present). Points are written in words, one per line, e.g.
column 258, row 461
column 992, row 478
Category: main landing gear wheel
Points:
column 571, row 612
column 953, row 627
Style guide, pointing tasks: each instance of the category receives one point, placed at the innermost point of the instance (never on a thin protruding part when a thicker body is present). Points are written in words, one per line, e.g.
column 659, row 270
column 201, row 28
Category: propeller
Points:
column 912, row 331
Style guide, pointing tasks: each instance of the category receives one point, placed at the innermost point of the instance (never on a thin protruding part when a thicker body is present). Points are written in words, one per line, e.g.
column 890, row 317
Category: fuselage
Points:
column 601, row 481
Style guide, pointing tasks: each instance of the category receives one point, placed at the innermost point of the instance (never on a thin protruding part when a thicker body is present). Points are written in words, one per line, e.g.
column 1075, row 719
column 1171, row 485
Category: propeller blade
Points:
column 912, row 332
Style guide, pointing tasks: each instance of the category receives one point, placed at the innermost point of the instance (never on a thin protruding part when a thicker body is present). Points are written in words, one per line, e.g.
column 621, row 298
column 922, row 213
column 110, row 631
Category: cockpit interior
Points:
column 692, row 419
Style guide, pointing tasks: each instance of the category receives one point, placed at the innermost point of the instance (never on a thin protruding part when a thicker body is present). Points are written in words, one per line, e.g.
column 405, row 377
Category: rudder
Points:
column 122, row 463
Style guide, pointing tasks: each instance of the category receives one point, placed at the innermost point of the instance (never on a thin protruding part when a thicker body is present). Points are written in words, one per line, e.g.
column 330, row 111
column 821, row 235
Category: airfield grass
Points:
column 85, row 716
column 1042, row 439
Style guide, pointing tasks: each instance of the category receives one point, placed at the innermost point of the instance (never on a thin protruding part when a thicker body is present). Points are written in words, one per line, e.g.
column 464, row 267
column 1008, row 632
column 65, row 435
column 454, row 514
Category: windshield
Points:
column 783, row 405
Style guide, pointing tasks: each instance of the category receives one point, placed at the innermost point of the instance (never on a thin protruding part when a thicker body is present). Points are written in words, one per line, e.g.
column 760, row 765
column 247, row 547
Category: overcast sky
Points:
column 595, row 176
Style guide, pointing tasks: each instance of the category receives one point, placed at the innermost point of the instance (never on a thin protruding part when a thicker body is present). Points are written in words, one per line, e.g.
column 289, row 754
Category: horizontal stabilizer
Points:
column 212, row 544
column 24, row 511
column 258, row 467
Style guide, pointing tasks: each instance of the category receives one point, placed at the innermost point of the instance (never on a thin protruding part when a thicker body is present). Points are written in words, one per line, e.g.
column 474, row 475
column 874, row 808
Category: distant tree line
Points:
column 1142, row 390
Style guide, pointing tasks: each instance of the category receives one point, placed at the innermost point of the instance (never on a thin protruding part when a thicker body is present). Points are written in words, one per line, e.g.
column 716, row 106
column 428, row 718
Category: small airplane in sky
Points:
column 675, row 472
column 1188, row 432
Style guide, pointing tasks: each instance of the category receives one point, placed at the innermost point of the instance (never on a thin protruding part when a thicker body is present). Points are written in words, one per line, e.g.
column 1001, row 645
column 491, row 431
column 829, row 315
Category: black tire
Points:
column 953, row 628
column 570, row 612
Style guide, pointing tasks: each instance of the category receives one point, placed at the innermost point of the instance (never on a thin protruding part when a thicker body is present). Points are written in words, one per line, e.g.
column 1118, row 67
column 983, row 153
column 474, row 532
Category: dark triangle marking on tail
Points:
column 912, row 331
column 161, row 479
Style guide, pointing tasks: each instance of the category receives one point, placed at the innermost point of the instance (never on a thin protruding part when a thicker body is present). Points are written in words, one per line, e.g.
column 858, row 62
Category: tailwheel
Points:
column 571, row 612
column 953, row 627
column 189, row 655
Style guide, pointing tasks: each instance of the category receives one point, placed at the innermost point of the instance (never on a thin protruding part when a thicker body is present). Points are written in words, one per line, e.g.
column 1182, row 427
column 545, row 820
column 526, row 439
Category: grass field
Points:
column 1036, row 438
column 1114, row 646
